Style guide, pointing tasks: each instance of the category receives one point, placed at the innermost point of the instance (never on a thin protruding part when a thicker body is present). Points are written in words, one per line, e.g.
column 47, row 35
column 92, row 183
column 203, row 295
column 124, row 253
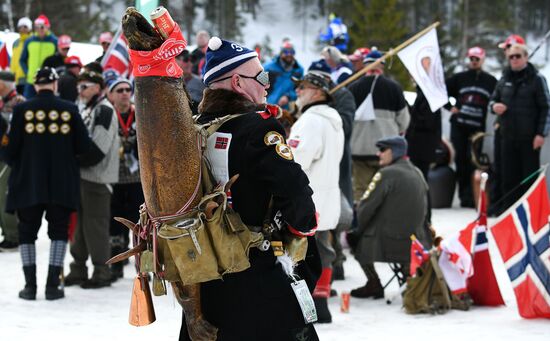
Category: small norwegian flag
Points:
column 221, row 142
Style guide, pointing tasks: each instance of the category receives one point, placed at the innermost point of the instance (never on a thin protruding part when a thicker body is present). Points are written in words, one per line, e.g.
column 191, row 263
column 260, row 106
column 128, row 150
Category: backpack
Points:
column 427, row 291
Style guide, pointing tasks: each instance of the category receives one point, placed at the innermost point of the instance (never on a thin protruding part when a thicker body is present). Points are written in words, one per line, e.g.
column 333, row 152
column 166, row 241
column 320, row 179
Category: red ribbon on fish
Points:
column 161, row 61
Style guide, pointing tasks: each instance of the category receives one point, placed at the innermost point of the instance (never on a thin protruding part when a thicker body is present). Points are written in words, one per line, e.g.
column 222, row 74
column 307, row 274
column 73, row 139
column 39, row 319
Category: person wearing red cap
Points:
column 471, row 89
column 105, row 39
column 36, row 49
column 511, row 40
column 57, row 60
column 67, row 84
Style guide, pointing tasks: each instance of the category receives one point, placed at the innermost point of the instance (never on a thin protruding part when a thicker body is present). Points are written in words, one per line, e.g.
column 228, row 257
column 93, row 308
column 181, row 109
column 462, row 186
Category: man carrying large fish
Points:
column 265, row 301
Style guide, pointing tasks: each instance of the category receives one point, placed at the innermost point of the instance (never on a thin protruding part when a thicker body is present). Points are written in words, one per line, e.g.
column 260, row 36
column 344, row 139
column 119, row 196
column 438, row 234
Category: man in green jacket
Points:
column 37, row 48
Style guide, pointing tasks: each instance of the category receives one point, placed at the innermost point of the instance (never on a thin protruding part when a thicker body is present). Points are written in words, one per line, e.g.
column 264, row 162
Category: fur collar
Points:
column 221, row 101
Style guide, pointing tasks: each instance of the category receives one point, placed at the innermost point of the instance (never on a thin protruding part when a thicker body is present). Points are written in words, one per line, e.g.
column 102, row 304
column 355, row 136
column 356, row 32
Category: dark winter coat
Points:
column 262, row 294
column 394, row 207
column 45, row 136
column 344, row 103
column 56, row 61
column 67, row 87
column 472, row 90
column 424, row 132
column 525, row 93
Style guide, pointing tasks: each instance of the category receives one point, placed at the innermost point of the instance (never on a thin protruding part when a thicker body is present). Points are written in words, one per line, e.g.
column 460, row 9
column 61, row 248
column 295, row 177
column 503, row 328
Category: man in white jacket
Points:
column 317, row 142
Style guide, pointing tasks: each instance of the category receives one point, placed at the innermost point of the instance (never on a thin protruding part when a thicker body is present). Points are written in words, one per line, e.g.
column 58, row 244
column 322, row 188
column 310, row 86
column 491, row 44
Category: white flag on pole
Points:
column 423, row 61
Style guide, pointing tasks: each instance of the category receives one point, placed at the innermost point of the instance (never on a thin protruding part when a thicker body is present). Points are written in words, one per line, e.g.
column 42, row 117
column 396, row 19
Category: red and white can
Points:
column 163, row 21
column 344, row 303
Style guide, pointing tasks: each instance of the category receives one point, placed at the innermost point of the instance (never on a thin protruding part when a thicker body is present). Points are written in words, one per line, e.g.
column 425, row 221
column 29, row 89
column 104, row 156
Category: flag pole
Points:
column 388, row 54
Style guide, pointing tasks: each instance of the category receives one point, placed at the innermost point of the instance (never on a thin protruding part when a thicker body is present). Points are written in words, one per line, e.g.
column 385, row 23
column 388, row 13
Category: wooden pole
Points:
column 390, row 53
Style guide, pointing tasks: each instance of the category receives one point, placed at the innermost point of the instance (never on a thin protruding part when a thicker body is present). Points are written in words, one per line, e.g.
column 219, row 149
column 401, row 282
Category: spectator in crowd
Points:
column 281, row 71
column 193, row 83
column 105, row 40
column 57, row 60
column 257, row 151
column 387, row 115
column 8, row 221
column 198, row 55
column 471, row 89
column 394, row 206
column 24, row 27
column 45, row 137
column 127, row 192
column 36, row 49
column 69, row 78
column 521, row 102
column 339, row 64
column 317, row 142
column 357, row 57
column 423, row 134
column 344, row 103
column 496, row 169
column 98, row 170
column 336, row 34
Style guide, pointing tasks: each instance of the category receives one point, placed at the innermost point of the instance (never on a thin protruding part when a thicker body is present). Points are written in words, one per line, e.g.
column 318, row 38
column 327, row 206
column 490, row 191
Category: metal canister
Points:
column 344, row 304
column 163, row 21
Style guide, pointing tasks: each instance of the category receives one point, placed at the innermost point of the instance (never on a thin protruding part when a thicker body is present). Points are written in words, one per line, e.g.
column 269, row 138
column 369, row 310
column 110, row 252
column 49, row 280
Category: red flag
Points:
column 418, row 255
column 482, row 286
column 4, row 56
column 522, row 235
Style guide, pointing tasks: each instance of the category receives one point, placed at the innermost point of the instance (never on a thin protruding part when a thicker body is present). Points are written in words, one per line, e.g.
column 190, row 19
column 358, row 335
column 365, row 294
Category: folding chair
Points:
column 401, row 277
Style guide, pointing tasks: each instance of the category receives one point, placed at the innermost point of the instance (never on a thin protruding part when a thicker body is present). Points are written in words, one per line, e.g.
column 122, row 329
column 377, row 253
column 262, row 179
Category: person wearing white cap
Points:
column 252, row 145
column 471, row 89
column 24, row 27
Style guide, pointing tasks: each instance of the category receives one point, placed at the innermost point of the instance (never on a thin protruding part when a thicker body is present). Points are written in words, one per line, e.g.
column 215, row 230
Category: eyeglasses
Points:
column 85, row 86
column 121, row 90
column 261, row 77
column 515, row 56
column 40, row 27
column 474, row 59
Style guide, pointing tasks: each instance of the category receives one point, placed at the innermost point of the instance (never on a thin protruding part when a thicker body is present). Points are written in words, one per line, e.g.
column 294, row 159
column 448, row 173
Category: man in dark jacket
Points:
column 521, row 101
column 472, row 90
column 258, row 303
column 45, row 137
column 69, row 79
column 394, row 206
column 57, row 61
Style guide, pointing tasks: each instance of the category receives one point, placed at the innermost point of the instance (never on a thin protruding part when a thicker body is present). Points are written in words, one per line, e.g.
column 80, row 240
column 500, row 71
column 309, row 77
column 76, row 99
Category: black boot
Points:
column 373, row 289
column 53, row 289
column 338, row 272
column 29, row 292
column 77, row 275
column 323, row 314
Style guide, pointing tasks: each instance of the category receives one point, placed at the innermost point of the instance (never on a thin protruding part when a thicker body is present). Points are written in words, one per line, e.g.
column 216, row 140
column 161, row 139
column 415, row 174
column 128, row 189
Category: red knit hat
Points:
column 42, row 20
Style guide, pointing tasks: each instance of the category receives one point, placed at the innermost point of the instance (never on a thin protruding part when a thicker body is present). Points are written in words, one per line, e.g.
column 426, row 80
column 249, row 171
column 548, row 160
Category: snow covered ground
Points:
column 103, row 314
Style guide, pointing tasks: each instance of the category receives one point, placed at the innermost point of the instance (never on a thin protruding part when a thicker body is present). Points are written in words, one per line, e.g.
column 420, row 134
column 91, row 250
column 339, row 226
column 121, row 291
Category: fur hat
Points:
column 223, row 56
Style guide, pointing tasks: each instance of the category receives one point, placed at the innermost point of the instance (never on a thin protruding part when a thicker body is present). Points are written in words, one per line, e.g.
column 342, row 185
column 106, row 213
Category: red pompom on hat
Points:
column 42, row 20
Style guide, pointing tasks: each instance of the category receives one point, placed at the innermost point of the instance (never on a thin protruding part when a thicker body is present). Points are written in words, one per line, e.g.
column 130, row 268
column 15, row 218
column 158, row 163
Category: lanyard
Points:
column 125, row 126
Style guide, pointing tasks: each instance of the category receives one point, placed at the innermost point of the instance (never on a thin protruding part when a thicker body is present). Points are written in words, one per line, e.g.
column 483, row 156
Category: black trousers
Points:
column 125, row 203
column 518, row 160
column 30, row 219
column 460, row 137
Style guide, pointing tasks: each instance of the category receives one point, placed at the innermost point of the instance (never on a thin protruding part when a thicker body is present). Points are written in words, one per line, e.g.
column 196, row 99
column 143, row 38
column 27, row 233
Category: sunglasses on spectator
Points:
column 85, row 86
column 515, row 56
column 40, row 27
column 261, row 77
column 121, row 90
column 474, row 59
